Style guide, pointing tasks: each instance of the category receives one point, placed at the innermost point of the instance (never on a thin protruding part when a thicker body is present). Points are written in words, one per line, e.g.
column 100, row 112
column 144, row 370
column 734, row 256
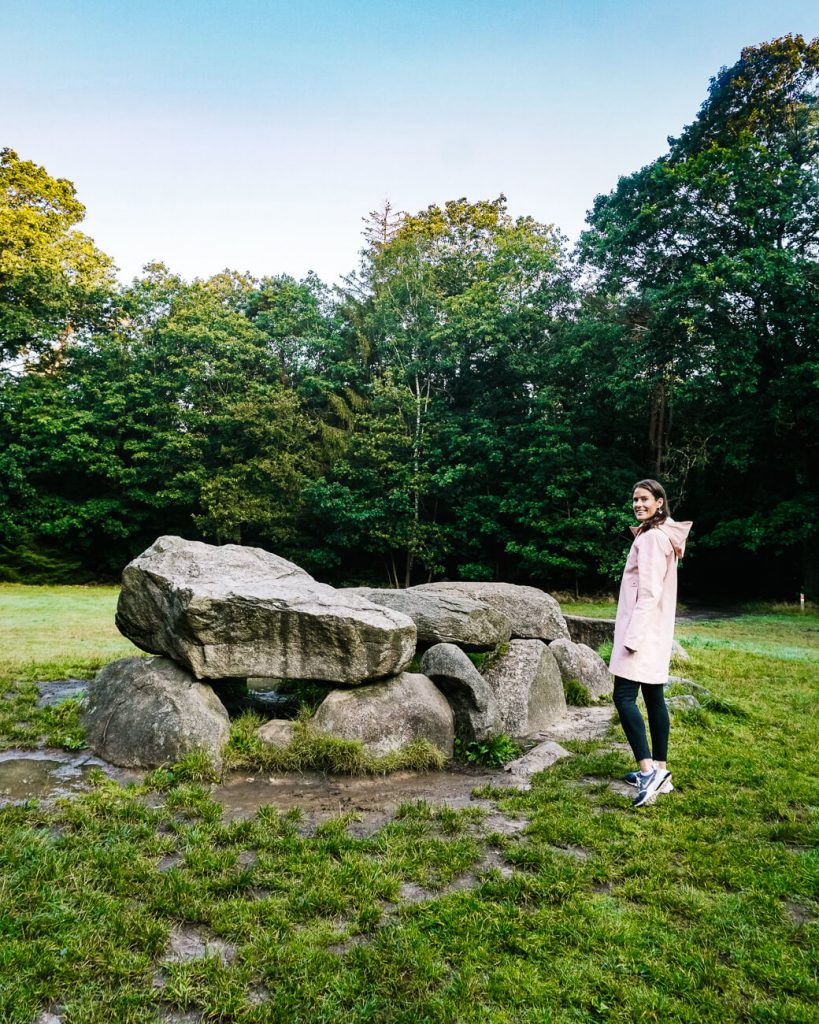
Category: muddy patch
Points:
column 372, row 800
column 798, row 913
column 46, row 775
column 185, row 943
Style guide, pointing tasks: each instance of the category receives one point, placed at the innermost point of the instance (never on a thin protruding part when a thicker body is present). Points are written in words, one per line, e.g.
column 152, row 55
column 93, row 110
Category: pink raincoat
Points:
column 644, row 628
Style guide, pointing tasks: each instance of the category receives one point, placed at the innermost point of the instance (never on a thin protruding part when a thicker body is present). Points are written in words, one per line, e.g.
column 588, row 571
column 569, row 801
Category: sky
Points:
column 256, row 134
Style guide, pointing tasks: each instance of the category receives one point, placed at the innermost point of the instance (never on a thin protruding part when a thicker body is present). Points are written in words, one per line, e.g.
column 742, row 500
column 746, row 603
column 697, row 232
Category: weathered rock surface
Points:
column 589, row 631
column 683, row 702
column 146, row 712
column 444, row 617
column 278, row 732
column 471, row 698
column 235, row 611
column 538, row 759
column 584, row 666
column 528, row 687
column 533, row 613
column 387, row 716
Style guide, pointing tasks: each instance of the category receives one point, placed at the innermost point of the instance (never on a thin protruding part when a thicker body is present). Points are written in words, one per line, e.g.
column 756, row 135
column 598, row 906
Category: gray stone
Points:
column 592, row 632
column 687, row 686
column 683, row 702
column 678, row 652
column 235, row 611
column 444, row 617
column 533, row 613
column 146, row 712
column 584, row 666
column 278, row 732
column 471, row 698
column 387, row 716
column 528, row 687
column 538, row 759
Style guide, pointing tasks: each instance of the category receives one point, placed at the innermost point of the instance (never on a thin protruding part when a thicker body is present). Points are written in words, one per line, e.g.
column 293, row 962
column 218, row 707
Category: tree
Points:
column 53, row 279
column 711, row 252
column 457, row 306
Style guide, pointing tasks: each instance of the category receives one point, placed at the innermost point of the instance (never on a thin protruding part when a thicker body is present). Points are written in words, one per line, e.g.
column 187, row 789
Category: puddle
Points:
column 40, row 775
column 374, row 799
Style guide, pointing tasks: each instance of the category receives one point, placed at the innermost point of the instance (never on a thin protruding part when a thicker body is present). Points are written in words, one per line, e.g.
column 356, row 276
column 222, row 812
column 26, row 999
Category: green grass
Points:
column 701, row 909
column 56, row 632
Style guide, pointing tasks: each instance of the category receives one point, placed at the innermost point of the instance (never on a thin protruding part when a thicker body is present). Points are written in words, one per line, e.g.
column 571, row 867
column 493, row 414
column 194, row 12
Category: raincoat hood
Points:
column 676, row 533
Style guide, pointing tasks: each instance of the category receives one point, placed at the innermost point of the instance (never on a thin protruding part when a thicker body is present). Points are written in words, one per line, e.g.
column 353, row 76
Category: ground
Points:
column 557, row 904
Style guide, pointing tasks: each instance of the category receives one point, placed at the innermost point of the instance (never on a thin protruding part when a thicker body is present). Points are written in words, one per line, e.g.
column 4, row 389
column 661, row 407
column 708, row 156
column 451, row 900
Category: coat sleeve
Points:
column 652, row 567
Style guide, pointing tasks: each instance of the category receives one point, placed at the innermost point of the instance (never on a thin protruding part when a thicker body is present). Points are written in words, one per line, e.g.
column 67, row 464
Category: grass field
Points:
column 702, row 908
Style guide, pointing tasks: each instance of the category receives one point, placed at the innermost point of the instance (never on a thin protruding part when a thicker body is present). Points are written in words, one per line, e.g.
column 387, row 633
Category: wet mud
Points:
column 48, row 774
column 371, row 800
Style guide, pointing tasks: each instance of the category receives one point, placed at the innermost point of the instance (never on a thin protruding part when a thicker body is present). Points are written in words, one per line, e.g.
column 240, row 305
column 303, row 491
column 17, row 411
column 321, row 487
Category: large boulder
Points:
column 445, row 618
column 589, row 631
column 387, row 716
column 533, row 613
column 234, row 611
column 471, row 698
column 583, row 665
column 528, row 687
column 146, row 712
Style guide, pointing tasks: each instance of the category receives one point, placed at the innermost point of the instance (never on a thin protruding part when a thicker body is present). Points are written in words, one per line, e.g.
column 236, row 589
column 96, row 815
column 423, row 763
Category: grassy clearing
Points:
column 58, row 632
column 702, row 908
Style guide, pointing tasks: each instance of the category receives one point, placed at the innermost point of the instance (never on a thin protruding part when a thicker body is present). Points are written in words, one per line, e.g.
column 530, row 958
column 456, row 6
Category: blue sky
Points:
column 255, row 134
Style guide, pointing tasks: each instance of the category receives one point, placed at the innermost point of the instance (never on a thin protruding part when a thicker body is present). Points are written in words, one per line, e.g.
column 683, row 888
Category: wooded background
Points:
column 476, row 401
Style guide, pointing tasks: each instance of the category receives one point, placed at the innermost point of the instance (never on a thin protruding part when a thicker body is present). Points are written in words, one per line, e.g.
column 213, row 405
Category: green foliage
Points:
column 194, row 767
column 311, row 750
column 492, row 752
column 53, row 280
column 576, row 695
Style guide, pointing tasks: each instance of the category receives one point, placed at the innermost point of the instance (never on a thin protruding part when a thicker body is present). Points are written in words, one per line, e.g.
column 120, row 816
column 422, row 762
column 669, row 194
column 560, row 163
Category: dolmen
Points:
column 209, row 614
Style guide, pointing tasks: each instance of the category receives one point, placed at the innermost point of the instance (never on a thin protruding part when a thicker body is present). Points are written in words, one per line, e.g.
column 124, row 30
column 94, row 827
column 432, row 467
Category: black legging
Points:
column 625, row 700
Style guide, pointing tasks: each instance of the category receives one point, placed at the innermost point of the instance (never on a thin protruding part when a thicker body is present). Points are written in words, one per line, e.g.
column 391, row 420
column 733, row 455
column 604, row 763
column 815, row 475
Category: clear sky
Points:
column 255, row 134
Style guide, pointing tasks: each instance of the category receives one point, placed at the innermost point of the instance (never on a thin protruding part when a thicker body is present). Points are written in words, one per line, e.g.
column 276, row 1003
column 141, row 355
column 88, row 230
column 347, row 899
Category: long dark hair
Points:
column 658, row 491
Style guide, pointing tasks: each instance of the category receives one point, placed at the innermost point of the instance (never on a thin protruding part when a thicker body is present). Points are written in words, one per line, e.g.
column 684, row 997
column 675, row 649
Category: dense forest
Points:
column 474, row 402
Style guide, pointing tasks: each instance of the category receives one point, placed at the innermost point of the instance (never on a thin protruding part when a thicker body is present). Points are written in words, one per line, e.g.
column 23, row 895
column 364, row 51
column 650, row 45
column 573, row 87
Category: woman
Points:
column 644, row 633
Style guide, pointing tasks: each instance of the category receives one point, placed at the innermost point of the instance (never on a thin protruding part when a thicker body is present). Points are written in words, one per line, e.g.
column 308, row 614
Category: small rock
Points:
column 686, row 686
column 679, row 652
column 543, row 756
column 583, row 665
column 278, row 732
column 592, row 632
column 683, row 702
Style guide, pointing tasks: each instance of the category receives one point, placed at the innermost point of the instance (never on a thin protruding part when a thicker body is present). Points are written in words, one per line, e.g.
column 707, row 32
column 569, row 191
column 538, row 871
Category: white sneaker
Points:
column 633, row 779
column 650, row 785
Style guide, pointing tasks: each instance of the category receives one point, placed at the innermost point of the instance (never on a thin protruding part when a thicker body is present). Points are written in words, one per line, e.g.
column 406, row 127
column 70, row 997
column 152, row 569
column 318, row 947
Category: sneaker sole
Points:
column 667, row 787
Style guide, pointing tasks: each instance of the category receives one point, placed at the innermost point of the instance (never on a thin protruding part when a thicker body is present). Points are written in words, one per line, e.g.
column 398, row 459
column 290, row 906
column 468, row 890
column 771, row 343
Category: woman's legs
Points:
column 625, row 700
column 658, row 724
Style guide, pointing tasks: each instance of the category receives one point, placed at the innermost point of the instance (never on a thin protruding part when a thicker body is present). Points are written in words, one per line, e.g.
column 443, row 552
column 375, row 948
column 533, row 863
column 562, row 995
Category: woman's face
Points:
column 645, row 504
